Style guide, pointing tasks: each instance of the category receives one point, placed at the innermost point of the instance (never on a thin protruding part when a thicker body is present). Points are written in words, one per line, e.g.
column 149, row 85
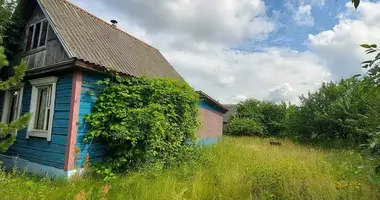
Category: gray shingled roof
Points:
column 231, row 111
column 92, row 40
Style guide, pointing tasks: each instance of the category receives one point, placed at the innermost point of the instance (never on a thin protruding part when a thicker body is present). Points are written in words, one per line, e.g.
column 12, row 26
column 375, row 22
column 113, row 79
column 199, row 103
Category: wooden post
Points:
column 73, row 119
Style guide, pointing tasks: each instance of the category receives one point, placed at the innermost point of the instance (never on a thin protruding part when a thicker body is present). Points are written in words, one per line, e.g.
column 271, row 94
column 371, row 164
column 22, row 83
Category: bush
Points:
column 244, row 127
column 347, row 110
column 268, row 114
column 145, row 121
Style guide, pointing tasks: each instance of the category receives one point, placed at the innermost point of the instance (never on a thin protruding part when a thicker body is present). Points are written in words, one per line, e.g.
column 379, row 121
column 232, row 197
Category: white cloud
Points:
column 283, row 92
column 222, row 21
column 302, row 14
column 198, row 41
column 251, row 74
column 339, row 47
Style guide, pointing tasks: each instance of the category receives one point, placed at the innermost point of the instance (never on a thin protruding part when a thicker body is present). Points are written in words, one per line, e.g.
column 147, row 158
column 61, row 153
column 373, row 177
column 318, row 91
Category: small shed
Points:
column 211, row 116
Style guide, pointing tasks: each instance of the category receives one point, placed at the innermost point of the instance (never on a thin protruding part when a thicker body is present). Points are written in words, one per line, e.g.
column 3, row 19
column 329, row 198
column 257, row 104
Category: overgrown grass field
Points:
column 236, row 168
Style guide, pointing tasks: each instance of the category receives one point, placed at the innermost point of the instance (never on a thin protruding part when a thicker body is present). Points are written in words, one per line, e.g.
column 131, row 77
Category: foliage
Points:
column 372, row 65
column 11, row 27
column 268, row 115
column 145, row 121
column 244, row 127
column 347, row 110
column 236, row 168
column 355, row 3
column 7, row 137
column 16, row 78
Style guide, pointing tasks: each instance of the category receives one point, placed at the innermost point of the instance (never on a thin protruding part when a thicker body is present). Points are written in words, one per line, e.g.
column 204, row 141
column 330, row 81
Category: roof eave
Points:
column 213, row 101
column 52, row 24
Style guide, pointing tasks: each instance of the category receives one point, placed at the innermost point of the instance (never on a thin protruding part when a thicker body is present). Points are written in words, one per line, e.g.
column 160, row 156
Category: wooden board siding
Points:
column 212, row 124
column 90, row 90
column 208, row 106
column 51, row 54
column 38, row 150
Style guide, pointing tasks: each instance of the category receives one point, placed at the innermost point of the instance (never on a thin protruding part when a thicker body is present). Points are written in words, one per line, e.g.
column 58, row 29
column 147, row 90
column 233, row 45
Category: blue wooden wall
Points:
column 52, row 153
column 39, row 150
column 90, row 90
column 208, row 106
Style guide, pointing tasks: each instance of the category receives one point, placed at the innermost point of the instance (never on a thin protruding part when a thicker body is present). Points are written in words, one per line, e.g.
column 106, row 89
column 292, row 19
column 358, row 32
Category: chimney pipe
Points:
column 113, row 22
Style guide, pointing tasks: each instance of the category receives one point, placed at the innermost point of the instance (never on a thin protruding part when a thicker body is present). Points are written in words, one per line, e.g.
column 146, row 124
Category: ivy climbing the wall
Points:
column 144, row 121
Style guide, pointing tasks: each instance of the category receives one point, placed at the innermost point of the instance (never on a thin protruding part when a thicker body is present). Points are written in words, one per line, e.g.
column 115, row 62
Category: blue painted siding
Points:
column 38, row 150
column 205, row 105
column 207, row 141
column 95, row 149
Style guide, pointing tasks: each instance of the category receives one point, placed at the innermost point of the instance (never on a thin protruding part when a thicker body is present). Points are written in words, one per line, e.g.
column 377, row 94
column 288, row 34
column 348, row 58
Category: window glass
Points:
column 43, row 33
column 13, row 106
column 41, row 108
column 36, row 35
column 30, row 36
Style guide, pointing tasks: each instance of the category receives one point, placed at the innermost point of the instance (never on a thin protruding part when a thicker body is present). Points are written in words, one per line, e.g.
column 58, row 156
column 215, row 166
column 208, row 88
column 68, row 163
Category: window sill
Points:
column 38, row 133
column 36, row 50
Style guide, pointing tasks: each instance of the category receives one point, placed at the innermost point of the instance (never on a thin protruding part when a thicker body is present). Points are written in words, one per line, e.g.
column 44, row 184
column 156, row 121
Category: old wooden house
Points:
column 66, row 49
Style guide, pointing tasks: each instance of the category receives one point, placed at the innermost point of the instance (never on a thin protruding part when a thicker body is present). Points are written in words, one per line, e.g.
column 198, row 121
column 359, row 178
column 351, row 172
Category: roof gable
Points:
column 88, row 38
column 208, row 99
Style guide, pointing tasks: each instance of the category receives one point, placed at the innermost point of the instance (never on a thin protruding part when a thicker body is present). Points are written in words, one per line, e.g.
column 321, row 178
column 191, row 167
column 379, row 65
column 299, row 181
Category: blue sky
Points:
column 290, row 34
column 237, row 49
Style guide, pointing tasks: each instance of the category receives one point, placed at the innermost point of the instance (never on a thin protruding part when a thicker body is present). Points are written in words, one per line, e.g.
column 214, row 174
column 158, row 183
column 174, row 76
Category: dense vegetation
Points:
column 236, row 168
column 7, row 25
column 145, row 121
column 267, row 118
column 345, row 112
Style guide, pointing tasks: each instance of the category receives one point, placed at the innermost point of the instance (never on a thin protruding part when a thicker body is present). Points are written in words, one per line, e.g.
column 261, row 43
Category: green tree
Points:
column 7, row 137
column 346, row 110
column 270, row 116
column 244, row 127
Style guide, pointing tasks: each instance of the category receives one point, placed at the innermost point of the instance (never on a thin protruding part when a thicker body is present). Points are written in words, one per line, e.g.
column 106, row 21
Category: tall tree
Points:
column 7, row 21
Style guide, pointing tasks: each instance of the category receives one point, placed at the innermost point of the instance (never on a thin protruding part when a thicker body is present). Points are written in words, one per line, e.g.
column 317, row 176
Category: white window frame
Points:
column 36, row 84
column 39, row 37
column 7, row 99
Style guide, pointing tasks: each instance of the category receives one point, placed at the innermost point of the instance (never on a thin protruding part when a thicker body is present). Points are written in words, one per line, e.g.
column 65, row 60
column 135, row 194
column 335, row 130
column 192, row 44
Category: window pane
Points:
column 13, row 106
column 36, row 35
column 41, row 109
column 30, row 37
column 43, row 33
column 47, row 119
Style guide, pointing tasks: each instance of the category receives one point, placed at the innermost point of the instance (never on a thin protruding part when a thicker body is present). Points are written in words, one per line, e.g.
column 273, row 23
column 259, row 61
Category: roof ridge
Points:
column 101, row 20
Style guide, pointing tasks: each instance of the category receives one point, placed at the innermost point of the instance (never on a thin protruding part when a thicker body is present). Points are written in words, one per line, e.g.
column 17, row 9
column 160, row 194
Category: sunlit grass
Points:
column 236, row 168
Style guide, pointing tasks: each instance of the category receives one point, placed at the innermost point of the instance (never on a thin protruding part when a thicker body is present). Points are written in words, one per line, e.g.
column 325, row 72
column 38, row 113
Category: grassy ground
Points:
column 237, row 168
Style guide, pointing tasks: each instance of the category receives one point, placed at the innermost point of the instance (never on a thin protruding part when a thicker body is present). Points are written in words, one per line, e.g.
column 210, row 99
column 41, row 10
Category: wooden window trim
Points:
column 31, row 49
column 36, row 84
column 7, row 99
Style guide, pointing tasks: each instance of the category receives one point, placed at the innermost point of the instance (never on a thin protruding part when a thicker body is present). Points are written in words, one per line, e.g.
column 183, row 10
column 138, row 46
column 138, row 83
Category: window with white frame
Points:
column 37, row 35
column 12, row 105
column 42, row 107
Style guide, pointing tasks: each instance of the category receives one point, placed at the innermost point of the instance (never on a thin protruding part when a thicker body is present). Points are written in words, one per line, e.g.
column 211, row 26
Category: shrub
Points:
column 244, row 127
column 347, row 110
column 268, row 114
column 145, row 121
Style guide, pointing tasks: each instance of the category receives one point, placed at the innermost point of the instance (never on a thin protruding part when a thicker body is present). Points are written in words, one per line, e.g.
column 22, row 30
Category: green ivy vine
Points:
column 144, row 121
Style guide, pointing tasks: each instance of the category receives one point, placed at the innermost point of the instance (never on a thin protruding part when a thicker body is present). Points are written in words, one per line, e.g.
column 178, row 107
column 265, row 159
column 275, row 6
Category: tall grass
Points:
column 236, row 168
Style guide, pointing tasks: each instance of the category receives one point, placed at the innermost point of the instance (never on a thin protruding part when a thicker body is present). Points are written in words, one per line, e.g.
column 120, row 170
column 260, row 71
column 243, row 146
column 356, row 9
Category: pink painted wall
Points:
column 212, row 124
column 73, row 119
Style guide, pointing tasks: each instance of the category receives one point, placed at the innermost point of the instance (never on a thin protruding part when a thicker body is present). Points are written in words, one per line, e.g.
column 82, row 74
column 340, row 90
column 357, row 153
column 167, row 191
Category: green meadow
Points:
column 235, row 168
